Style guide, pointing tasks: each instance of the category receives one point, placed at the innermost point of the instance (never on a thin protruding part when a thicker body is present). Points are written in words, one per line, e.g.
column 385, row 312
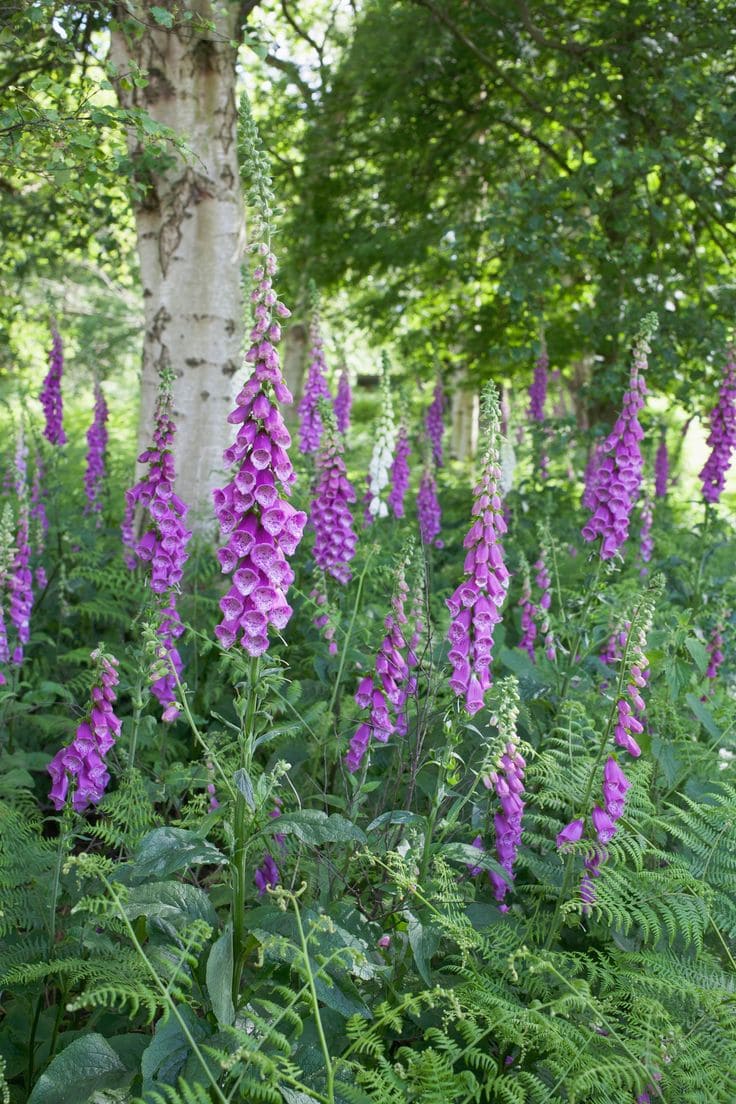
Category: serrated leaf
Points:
column 245, row 787
column 170, row 905
column 163, row 17
column 87, row 1065
column 315, row 827
column 166, row 850
column 699, row 653
column 704, row 715
column 220, row 978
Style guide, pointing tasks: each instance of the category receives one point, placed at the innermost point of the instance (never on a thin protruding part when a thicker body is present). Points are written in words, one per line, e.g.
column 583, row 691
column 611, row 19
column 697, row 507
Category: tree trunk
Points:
column 465, row 414
column 189, row 226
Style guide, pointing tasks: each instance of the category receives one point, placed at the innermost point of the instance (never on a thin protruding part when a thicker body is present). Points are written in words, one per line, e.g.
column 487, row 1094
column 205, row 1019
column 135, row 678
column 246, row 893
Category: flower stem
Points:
column 240, row 848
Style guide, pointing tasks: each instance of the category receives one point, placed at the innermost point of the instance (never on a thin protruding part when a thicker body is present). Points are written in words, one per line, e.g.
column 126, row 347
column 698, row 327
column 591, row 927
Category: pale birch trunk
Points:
column 189, row 227
column 464, row 422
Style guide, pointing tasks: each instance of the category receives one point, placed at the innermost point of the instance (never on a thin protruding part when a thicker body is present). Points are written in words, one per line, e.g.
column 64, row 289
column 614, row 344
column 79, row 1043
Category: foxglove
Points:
column 330, row 516
column 538, row 388
column 400, row 473
column 715, row 652
column 646, row 541
column 528, row 614
column 544, row 583
column 343, row 402
column 84, row 759
column 379, row 469
column 260, row 525
column 434, row 423
column 722, row 437
column 7, row 553
column 507, row 780
column 619, row 476
column 661, row 469
column 591, row 474
column 429, row 513
column 50, row 396
column 475, row 606
column 94, row 475
column 21, row 578
column 315, row 389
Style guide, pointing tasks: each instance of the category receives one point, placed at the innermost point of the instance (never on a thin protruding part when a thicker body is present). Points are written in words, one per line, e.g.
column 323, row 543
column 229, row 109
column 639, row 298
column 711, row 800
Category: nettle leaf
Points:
column 170, row 905
column 699, row 653
column 220, row 978
column 704, row 715
column 164, row 851
column 315, row 827
column 86, row 1066
column 163, row 17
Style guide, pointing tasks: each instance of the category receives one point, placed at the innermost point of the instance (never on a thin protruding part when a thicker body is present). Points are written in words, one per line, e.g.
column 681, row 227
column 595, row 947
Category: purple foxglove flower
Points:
column 84, row 759
column 435, row 424
column 267, row 874
column 473, row 870
column 538, row 389
column 329, row 515
column 429, row 513
column 571, row 833
column 386, row 692
column 94, row 476
column 486, row 578
column 617, row 484
column 315, row 389
column 400, row 473
column 591, row 475
column 7, row 553
column 343, row 402
column 21, row 578
column 259, row 524
column 50, row 396
column 509, row 787
column 127, row 533
column 715, row 653
column 646, row 541
column 163, row 545
column 38, row 496
column 379, row 468
column 528, row 616
column 324, row 620
column 661, row 469
column 544, row 582
column 722, row 437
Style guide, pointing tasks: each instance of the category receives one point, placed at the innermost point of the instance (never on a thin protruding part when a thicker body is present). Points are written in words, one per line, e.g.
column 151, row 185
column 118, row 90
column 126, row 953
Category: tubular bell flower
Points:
column 400, row 473
column 528, row 614
column 39, row 518
column 330, row 516
column 164, row 543
column 379, row 468
column 544, row 582
column 429, row 513
column 94, row 476
column 646, row 542
column 722, row 436
column 715, row 652
column 538, row 388
column 475, row 606
column 434, row 422
column 619, row 476
column 385, row 692
column 21, row 578
column 343, row 402
column 83, row 760
column 315, row 389
column 50, row 396
column 591, row 474
column 661, row 469
column 7, row 553
column 325, row 619
column 127, row 533
column 507, row 780
column 262, row 527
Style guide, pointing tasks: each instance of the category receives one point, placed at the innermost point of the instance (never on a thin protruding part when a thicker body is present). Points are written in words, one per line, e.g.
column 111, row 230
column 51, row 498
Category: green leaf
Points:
column 396, row 816
column 472, row 856
column 220, row 978
column 170, row 905
column 163, row 17
column 424, row 942
column 87, row 1065
column 164, row 1058
column 245, row 787
column 165, row 850
column 704, row 715
column 315, row 827
column 698, row 651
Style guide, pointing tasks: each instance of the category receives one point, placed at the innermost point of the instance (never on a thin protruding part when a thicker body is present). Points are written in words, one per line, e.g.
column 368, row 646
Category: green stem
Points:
column 349, row 635
column 329, row 1071
column 592, row 589
column 239, row 869
column 137, row 712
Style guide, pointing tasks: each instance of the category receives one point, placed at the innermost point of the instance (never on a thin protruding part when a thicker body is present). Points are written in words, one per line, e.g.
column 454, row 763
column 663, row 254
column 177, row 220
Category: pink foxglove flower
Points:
column 429, row 512
column 330, row 516
column 384, row 693
column 343, row 402
column 84, row 759
column 591, row 474
column 544, row 582
column 21, row 578
column 538, row 388
column 163, row 545
column 722, row 437
column 715, row 653
column 528, row 615
column 435, row 423
column 50, row 396
column 475, row 606
column 619, row 476
column 94, row 476
column 661, row 469
column 646, row 541
column 262, row 528
column 315, row 390
column 400, row 473
column 7, row 554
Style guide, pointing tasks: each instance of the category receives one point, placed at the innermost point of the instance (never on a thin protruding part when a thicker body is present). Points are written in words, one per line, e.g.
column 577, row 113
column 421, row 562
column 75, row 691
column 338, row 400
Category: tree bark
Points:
column 189, row 226
column 465, row 415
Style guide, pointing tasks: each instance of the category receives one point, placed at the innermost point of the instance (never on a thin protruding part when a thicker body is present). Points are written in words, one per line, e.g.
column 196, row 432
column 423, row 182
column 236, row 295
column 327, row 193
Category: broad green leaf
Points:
column 315, row 827
column 424, row 941
column 163, row 17
column 396, row 816
column 698, row 651
column 165, row 850
column 220, row 978
column 170, row 905
column 703, row 714
column 87, row 1065
column 472, row 856
column 245, row 787
column 165, row 1056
